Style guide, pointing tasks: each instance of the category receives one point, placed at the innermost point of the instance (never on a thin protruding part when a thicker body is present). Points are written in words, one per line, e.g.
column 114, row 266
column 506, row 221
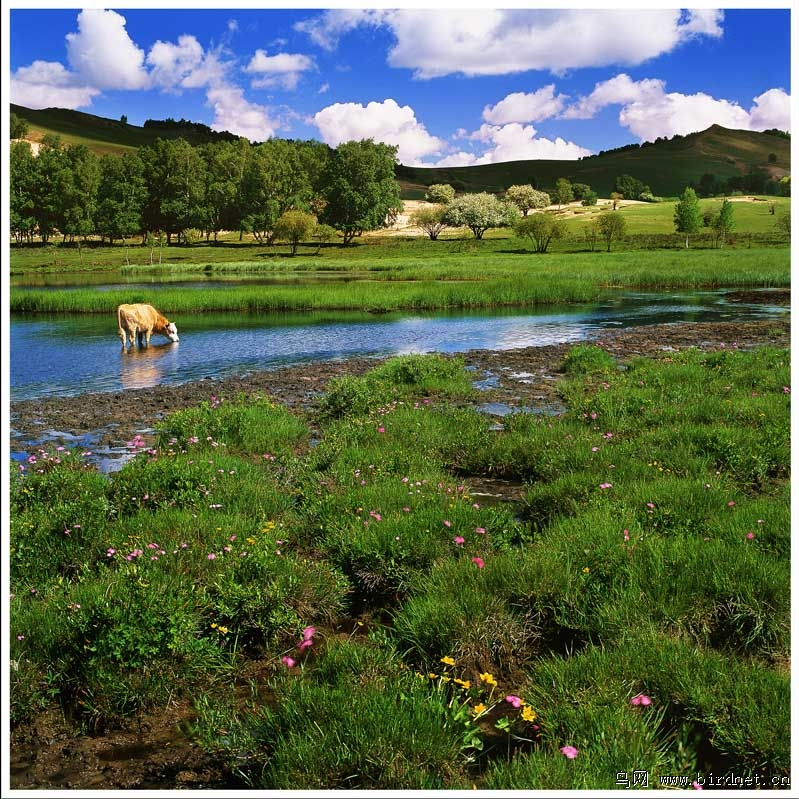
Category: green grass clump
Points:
column 355, row 719
column 398, row 379
column 587, row 359
column 406, row 632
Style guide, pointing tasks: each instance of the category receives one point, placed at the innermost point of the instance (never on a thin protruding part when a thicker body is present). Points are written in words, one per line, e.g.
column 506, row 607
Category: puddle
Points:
column 105, row 458
column 502, row 409
column 487, row 383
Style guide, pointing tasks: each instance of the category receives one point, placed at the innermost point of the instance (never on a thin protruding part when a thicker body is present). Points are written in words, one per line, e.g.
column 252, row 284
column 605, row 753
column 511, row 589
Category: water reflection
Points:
column 68, row 355
column 142, row 367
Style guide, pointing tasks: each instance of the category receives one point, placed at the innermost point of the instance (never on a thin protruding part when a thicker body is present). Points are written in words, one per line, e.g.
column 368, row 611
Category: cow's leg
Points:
column 149, row 333
column 122, row 336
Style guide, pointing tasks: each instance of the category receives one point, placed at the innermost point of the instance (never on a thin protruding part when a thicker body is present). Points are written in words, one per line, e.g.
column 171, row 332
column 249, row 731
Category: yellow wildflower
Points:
column 586, row 570
column 488, row 678
column 479, row 709
column 528, row 714
column 445, row 678
column 432, row 675
column 465, row 683
column 448, row 660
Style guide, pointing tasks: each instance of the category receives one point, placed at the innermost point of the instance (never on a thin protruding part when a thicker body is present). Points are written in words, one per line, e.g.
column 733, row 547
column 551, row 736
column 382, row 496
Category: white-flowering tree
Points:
column 479, row 212
column 526, row 198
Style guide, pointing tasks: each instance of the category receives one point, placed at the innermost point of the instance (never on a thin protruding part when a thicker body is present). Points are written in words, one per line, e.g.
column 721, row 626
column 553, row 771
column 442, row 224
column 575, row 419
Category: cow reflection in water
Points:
column 144, row 368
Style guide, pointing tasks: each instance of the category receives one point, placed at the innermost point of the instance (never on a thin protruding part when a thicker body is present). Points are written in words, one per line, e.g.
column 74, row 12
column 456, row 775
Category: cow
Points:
column 140, row 321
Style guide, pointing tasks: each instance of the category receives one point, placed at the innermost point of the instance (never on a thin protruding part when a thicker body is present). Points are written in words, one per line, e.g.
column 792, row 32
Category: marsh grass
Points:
column 486, row 278
column 649, row 556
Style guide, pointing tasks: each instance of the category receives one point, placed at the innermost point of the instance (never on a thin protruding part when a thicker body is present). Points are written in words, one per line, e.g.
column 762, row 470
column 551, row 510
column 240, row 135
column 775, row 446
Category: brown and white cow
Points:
column 140, row 321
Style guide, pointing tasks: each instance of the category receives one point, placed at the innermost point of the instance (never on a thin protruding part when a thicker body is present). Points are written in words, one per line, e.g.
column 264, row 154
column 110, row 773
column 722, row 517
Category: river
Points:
column 68, row 355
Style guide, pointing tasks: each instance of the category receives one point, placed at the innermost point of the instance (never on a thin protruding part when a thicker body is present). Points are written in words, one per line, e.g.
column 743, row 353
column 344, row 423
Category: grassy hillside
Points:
column 98, row 133
column 666, row 166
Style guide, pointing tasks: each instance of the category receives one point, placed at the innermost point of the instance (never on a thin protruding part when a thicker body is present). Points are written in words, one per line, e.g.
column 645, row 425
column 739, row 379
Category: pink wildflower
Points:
column 696, row 786
column 516, row 701
column 304, row 644
column 750, row 536
column 211, row 556
column 641, row 699
column 570, row 751
column 606, row 485
column 480, row 530
column 459, row 539
column 289, row 662
column 479, row 562
column 447, row 523
column 308, row 633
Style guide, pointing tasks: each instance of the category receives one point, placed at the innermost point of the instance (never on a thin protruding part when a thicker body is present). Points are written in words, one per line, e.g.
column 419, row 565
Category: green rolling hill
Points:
column 667, row 166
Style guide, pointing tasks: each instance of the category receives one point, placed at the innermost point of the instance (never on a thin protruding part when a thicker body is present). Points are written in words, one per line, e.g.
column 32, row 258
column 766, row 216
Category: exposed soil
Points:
column 156, row 752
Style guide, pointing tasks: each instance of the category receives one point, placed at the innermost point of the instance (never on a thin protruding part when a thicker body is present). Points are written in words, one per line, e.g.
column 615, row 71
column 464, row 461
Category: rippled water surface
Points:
column 68, row 355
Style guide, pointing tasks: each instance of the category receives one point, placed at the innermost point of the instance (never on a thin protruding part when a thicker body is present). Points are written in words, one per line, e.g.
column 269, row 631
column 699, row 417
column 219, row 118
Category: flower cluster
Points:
column 307, row 641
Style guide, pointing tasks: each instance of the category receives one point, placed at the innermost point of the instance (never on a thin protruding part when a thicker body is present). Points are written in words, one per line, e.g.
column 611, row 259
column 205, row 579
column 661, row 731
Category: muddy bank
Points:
column 515, row 378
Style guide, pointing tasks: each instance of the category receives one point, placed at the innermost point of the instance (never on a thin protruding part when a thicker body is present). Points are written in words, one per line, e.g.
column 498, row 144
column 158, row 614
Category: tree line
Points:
column 173, row 190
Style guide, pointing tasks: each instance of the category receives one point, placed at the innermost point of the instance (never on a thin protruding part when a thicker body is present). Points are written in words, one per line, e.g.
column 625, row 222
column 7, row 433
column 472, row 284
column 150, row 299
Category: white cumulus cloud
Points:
column 434, row 43
column 234, row 113
column 103, row 54
column 772, row 109
column 619, row 90
column 282, row 69
column 386, row 122
column 650, row 112
column 526, row 107
column 515, row 142
column 48, row 84
column 173, row 64
column 326, row 29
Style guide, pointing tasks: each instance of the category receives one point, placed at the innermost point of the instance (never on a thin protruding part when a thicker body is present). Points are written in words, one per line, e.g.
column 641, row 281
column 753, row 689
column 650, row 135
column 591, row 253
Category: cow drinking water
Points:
column 140, row 321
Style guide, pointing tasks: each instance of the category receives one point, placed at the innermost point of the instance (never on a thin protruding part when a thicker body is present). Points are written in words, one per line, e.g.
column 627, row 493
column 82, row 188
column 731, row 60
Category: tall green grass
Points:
column 507, row 280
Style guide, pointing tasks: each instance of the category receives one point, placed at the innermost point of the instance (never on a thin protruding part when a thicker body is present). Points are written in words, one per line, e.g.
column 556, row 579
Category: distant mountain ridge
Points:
column 666, row 165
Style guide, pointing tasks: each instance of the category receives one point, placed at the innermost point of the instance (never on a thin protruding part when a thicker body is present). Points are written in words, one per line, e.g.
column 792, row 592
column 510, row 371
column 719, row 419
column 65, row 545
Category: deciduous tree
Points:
column 612, row 225
column 121, row 194
column 274, row 182
column 563, row 193
column 430, row 218
column 722, row 223
column 360, row 189
column 294, row 227
column 526, row 198
column 687, row 216
column 541, row 229
column 440, row 194
column 479, row 212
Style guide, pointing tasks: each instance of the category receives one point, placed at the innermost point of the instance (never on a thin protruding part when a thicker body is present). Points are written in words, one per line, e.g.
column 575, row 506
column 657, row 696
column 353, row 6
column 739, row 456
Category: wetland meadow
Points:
column 373, row 582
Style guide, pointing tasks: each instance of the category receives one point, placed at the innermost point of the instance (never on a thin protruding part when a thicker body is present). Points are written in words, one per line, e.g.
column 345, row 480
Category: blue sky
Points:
column 449, row 87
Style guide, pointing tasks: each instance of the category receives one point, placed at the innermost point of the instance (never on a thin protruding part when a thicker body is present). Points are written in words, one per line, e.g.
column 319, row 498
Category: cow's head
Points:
column 172, row 332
